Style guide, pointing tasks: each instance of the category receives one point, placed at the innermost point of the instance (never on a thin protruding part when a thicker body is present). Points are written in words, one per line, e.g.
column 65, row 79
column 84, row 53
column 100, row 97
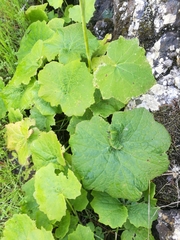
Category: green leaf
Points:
column 128, row 75
column 3, row 108
column 120, row 158
column 14, row 115
column 136, row 233
column 21, row 227
column 2, row 103
column 70, row 85
column 43, row 122
column 18, row 138
column 81, row 201
column 55, row 3
column 36, row 31
column 37, row 12
column 111, row 212
column 18, row 97
column 63, row 228
column 56, row 24
column 81, row 233
column 47, row 149
column 75, row 11
column 138, row 215
column 149, row 194
column 31, row 208
column 28, row 66
column 75, row 120
column 105, row 107
column 42, row 106
column 72, row 45
column 51, row 191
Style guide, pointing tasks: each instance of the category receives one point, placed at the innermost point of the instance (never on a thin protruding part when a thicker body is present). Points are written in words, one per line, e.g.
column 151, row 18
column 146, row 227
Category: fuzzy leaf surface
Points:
column 111, row 212
column 105, row 155
column 21, row 227
column 52, row 190
column 129, row 73
column 46, row 149
column 70, row 85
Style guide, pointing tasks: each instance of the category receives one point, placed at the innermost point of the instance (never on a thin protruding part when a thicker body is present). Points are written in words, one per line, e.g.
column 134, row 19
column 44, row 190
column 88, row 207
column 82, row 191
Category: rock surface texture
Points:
column 156, row 23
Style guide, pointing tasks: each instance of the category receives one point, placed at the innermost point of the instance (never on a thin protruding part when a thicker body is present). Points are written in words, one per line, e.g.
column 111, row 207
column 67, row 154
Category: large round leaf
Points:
column 69, row 85
column 124, row 72
column 120, row 158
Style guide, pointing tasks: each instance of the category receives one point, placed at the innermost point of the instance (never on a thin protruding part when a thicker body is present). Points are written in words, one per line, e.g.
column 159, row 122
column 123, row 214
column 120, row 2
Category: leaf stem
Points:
column 72, row 209
column 82, row 7
column 149, row 210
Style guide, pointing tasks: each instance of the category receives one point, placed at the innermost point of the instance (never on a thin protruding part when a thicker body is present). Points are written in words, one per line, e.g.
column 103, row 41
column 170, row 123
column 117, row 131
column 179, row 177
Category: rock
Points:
column 168, row 225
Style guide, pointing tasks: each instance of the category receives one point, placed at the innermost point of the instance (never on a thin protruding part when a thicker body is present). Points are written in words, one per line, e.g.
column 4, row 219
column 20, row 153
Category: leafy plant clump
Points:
column 102, row 178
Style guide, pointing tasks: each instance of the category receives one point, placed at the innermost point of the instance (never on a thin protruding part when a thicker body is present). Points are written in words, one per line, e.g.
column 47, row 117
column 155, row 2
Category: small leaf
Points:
column 52, row 190
column 29, row 65
column 18, row 97
column 105, row 107
column 43, row 122
column 111, row 212
column 120, row 158
column 47, row 149
column 139, row 215
column 70, row 85
column 81, row 233
column 128, row 75
column 149, row 194
column 56, row 24
column 14, row 115
column 37, row 12
column 81, row 201
column 75, row 11
column 75, row 120
column 21, row 227
column 18, row 135
column 55, row 3
column 63, row 228
column 36, row 31
column 136, row 233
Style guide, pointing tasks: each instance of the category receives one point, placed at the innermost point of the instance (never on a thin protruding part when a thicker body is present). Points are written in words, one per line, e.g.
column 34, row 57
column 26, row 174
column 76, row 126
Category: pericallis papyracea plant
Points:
column 112, row 155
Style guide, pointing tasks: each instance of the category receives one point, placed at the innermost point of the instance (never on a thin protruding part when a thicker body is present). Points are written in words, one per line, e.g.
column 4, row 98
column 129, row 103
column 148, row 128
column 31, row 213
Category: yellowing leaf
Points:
column 18, row 135
column 21, row 227
column 45, row 149
column 51, row 190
